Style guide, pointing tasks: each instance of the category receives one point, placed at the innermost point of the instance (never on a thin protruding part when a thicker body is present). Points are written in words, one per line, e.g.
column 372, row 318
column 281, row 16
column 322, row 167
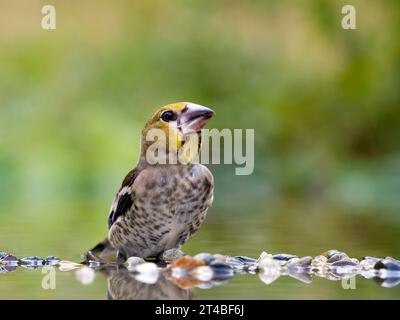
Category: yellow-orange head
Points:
column 177, row 122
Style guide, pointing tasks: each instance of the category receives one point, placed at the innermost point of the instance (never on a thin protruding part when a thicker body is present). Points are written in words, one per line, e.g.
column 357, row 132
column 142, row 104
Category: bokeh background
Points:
column 324, row 103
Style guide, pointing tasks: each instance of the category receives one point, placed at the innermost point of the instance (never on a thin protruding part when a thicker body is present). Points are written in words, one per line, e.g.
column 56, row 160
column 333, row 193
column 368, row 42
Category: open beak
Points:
column 194, row 118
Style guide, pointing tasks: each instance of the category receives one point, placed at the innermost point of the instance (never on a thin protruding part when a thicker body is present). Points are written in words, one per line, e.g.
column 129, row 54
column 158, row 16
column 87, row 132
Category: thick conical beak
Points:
column 194, row 118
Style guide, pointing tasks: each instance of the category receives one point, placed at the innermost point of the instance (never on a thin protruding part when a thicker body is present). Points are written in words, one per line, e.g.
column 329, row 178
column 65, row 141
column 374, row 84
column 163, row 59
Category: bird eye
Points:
column 168, row 116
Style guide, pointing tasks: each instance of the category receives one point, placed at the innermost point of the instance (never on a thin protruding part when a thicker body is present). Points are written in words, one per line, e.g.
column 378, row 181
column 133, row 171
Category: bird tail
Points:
column 103, row 252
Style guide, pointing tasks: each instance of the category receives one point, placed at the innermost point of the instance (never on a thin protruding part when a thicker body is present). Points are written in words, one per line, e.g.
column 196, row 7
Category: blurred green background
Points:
column 324, row 103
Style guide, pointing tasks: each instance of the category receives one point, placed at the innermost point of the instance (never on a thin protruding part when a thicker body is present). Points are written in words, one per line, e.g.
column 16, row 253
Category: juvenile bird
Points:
column 164, row 200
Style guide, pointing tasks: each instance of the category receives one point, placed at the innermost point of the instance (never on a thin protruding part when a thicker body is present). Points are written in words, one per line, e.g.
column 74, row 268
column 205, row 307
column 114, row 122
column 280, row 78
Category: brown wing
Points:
column 123, row 200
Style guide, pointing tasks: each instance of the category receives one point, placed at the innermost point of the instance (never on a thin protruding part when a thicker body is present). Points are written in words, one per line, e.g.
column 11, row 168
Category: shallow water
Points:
column 282, row 230
column 119, row 283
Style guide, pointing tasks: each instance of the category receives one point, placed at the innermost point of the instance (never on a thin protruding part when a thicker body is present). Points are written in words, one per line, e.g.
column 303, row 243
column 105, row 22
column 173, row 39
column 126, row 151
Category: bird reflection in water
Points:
column 124, row 285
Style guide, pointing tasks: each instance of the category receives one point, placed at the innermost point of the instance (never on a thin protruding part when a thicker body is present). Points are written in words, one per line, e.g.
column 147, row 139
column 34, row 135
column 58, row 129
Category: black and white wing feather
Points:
column 123, row 201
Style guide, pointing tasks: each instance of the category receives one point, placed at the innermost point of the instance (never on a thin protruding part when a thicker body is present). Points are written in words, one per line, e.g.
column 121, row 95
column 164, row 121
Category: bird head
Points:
column 180, row 124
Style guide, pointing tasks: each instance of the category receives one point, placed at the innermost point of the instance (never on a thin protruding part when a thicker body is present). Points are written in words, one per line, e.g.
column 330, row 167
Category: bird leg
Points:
column 121, row 257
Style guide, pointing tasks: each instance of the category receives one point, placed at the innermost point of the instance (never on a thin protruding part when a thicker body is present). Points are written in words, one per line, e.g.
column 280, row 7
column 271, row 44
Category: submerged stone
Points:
column 345, row 267
column 367, row 274
column 305, row 277
column 205, row 285
column 31, row 262
column 146, row 267
column 269, row 269
column 7, row 268
column 85, row 275
column 221, row 271
column 387, row 264
column 203, row 273
column 51, row 261
column 147, row 272
column 268, row 278
column 387, row 282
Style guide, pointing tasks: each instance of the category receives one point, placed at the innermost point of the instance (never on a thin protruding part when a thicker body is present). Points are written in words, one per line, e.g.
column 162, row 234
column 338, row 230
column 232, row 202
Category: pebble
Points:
column 305, row 277
column 65, row 265
column 240, row 262
column 263, row 255
column 132, row 262
column 220, row 258
column 3, row 255
column 371, row 258
column 31, row 262
column 388, row 282
column 345, row 267
column 172, row 255
column 178, row 273
column 328, row 254
column 319, row 261
column 147, row 272
column 267, row 263
column 185, row 282
column 93, row 263
column 207, row 258
column 205, row 285
column 205, row 269
column 368, row 264
column 368, row 274
column 393, row 259
column 51, row 261
column 387, row 264
column 337, row 257
column 146, row 267
column 186, row 262
column 299, row 263
column 245, row 260
column 283, row 258
column 203, row 273
column 269, row 277
column 269, row 269
column 7, row 268
column 85, row 275
column 222, row 271
column 8, row 259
